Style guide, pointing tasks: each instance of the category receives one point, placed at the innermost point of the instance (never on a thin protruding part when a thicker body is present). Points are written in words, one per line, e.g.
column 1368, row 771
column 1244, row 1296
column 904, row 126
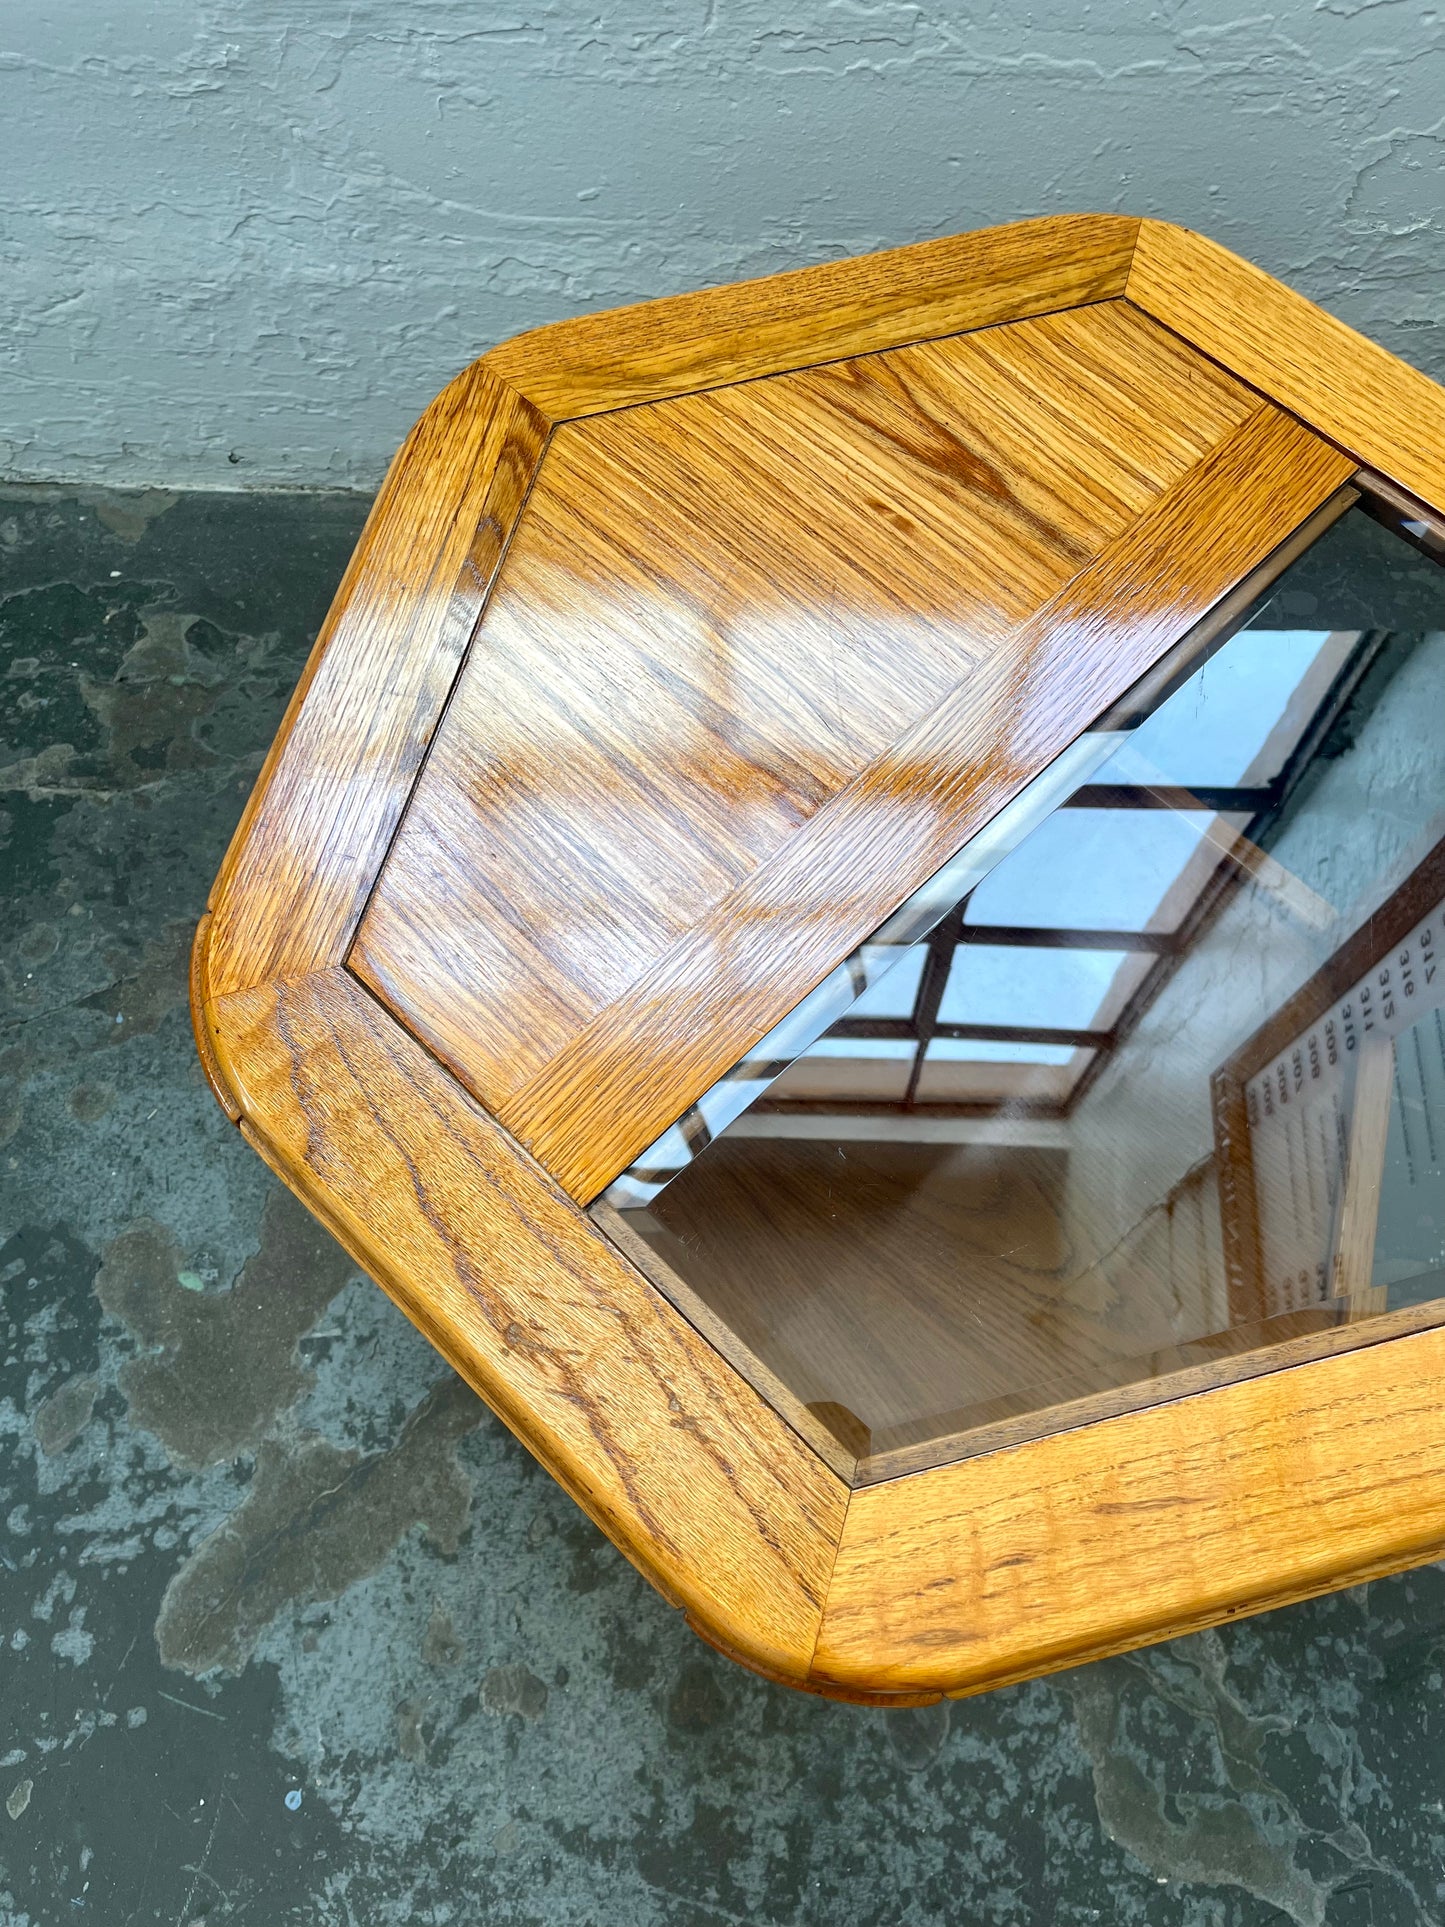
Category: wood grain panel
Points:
column 675, row 1458
column 332, row 789
column 1145, row 1526
column 715, row 613
column 772, row 653
column 827, row 313
column 1388, row 415
column 637, row 1065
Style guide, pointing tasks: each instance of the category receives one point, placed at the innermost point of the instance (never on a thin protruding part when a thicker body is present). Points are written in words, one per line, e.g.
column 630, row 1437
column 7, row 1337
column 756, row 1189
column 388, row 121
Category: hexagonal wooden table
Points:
column 683, row 645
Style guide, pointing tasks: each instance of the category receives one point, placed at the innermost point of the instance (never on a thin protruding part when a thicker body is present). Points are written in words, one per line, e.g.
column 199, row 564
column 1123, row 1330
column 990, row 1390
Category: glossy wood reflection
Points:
column 638, row 1064
column 715, row 614
column 1144, row 1526
column 339, row 773
column 757, row 660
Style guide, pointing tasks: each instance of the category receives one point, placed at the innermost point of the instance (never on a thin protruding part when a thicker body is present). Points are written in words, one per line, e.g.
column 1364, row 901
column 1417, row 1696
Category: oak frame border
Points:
column 868, row 1619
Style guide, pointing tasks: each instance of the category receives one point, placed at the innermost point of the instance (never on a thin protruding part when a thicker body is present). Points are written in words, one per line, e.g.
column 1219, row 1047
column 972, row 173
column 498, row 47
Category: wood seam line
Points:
column 380, row 576
column 351, row 579
column 1265, row 398
column 534, row 1111
column 359, row 584
column 1401, row 500
column 436, row 1336
column 202, row 1007
column 836, row 361
column 828, row 303
column 519, row 1103
column 819, row 1687
column 1261, row 395
column 1264, row 1423
column 348, row 941
column 564, row 1198
column 532, row 1428
column 1228, row 347
column 828, row 1582
column 469, row 785
column 252, row 1124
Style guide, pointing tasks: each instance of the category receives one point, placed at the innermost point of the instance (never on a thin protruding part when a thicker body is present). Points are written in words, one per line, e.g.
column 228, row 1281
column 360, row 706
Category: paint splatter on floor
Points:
column 294, row 1632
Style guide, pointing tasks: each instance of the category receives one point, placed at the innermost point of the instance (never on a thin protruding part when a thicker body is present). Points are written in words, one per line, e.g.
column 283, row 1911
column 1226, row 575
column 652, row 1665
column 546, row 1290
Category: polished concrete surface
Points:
column 292, row 1631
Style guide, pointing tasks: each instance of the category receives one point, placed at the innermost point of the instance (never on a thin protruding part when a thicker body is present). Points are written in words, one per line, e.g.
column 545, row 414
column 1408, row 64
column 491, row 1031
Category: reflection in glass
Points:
column 1148, row 1084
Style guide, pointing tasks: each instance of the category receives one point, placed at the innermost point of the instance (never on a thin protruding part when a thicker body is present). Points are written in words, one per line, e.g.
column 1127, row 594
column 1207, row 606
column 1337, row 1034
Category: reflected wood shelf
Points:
column 705, row 673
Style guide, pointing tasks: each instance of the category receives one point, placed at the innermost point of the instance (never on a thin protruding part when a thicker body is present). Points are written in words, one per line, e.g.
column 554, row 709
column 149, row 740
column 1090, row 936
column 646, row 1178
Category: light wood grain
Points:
column 638, row 1064
column 714, row 614
column 1364, row 1168
column 1388, row 415
column 826, row 313
column 680, row 1462
column 334, row 785
column 1090, row 462
column 1093, row 1541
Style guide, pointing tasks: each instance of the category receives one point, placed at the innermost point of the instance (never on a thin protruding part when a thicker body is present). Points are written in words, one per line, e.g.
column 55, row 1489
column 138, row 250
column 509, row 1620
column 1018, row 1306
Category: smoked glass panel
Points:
column 1144, row 1091
column 1093, row 869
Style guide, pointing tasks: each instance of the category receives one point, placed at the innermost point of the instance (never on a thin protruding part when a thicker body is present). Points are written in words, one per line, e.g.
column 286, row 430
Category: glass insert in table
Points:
column 1143, row 1091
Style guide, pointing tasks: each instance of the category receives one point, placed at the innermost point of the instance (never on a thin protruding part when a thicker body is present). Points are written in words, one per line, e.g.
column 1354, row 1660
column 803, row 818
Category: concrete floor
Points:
column 294, row 1632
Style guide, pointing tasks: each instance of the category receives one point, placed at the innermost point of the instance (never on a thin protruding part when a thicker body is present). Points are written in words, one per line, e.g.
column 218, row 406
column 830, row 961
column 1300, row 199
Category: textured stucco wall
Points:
column 245, row 240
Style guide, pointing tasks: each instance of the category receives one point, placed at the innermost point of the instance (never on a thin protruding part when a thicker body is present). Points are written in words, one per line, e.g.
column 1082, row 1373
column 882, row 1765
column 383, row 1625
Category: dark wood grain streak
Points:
column 672, row 1454
column 968, row 1576
column 638, row 1064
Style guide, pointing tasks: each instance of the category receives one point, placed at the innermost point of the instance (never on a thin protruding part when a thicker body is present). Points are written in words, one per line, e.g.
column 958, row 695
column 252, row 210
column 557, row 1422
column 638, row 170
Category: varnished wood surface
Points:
column 637, row 1065
column 1144, row 1526
column 332, row 790
column 714, row 615
column 680, row 1462
column 827, row 313
column 1388, row 415
column 1075, row 1544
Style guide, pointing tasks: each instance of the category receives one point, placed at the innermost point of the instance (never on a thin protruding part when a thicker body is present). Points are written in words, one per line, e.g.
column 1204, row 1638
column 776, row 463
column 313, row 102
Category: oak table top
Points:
column 844, row 915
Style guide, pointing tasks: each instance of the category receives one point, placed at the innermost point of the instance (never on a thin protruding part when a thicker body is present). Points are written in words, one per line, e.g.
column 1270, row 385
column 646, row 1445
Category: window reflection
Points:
column 1126, row 1104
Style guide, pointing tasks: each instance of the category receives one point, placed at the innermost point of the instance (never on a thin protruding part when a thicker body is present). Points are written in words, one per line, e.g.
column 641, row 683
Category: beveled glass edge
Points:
column 1424, row 528
column 1144, row 1393
column 739, row 1088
